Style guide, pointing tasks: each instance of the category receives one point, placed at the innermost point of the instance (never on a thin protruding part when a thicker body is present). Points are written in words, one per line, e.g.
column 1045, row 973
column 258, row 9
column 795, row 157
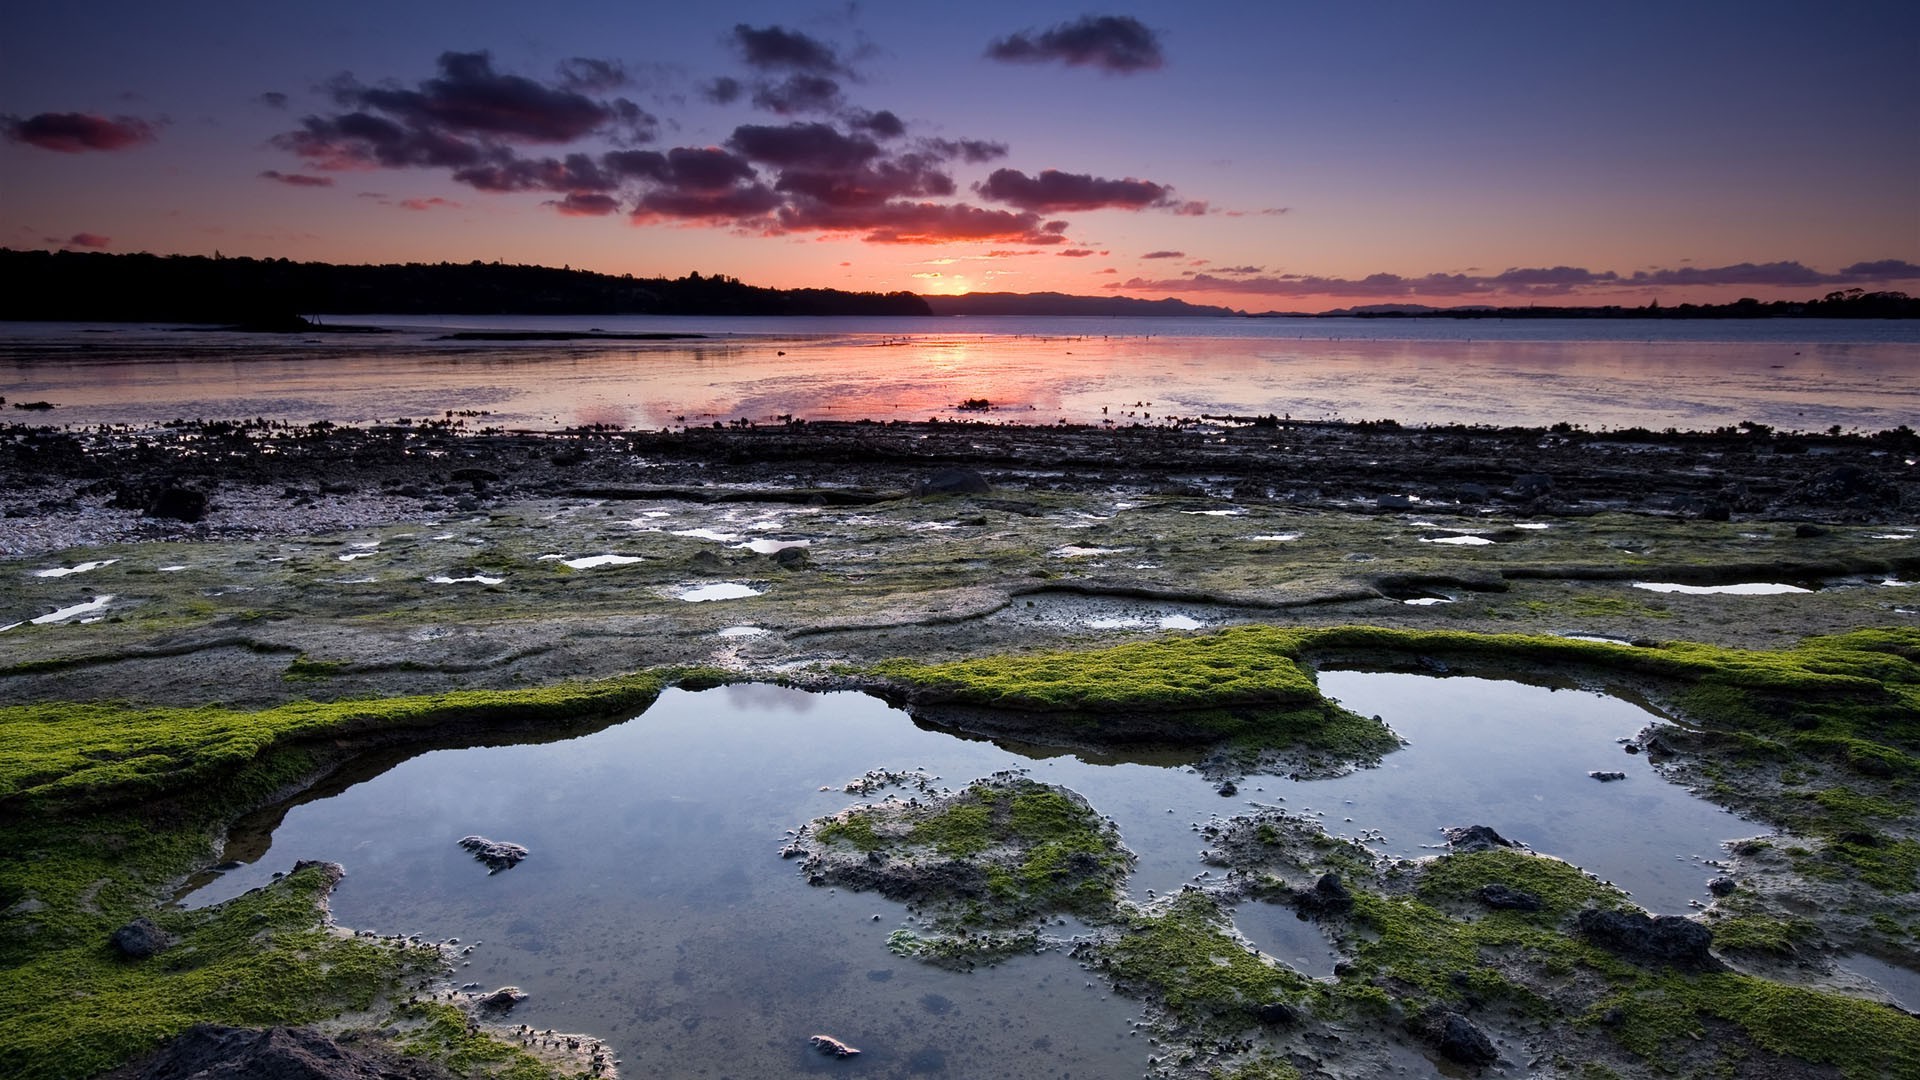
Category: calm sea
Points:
column 1793, row 374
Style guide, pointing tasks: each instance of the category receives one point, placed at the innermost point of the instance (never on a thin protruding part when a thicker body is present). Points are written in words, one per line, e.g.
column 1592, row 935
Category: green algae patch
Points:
column 1561, row 888
column 1229, row 668
column 992, row 857
column 1865, row 1040
column 443, row 1034
column 86, row 752
column 263, row 958
column 1185, row 956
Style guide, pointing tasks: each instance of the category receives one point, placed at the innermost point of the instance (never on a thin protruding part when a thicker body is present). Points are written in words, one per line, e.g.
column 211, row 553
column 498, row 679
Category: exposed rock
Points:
column 1457, row 1038
column 501, row 1000
column 1506, row 898
column 1276, row 1014
column 181, row 503
column 1327, row 897
column 1659, row 939
column 1228, row 789
column 953, row 482
column 213, row 1052
column 831, row 1046
column 1471, row 838
column 1722, row 886
column 497, row 854
column 140, row 939
column 790, row 558
column 1607, row 775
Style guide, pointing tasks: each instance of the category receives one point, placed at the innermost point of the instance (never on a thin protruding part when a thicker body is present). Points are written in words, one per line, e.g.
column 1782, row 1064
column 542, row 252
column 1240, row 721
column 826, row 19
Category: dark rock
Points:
column 179, row 503
column 707, row 562
column 1531, row 485
column 1868, row 765
column 1658, row 939
column 1327, row 897
column 480, row 476
column 212, row 1052
column 140, row 939
column 1458, row 1039
column 1631, row 748
column 1473, row 838
column 791, row 558
column 497, row 854
column 1721, row 886
column 1807, row 532
column 953, row 482
column 831, row 1046
column 501, row 1000
column 1276, row 1014
column 1606, row 776
column 1228, row 789
column 1506, row 897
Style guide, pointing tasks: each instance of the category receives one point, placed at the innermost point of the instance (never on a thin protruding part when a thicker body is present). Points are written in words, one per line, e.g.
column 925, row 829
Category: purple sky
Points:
column 1264, row 156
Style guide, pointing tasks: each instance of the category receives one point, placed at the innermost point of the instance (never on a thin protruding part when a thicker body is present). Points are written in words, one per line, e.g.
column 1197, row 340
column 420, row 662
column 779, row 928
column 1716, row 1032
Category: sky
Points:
column 1260, row 156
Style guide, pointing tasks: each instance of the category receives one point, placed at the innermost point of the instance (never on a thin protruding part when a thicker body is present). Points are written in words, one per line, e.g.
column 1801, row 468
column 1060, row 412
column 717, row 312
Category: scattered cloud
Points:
column 76, row 133
column 1164, row 255
column 881, row 125
column 774, row 48
column 1532, row 282
column 586, row 75
column 470, row 98
column 799, row 93
column 297, row 179
column 88, row 240
column 581, row 204
column 971, row 151
column 1054, row 191
column 433, row 203
column 272, row 99
column 923, row 223
column 1075, row 253
column 1117, row 44
column 723, row 90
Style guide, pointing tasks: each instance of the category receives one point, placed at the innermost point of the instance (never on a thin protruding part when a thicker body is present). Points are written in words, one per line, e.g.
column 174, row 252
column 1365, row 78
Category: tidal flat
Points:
column 210, row 628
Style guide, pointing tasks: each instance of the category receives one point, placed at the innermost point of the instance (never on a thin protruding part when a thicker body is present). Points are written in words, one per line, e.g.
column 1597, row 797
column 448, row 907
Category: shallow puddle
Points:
column 68, row 571
column 588, row 562
column 655, row 912
column 724, row 590
column 1750, row 588
column 1902, row 984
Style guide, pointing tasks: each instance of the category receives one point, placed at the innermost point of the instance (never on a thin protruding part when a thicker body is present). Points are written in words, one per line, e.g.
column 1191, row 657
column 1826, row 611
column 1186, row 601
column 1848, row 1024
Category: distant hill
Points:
column 96, row 286
column 1053, row 303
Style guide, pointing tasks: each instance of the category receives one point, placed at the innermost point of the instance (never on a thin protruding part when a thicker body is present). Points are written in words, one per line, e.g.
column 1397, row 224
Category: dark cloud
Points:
column 574, row 173
column 882, row 125
column 471, row 99
column 580, row 204
column 1054, row 191
column 434, row 203
column 75, row 133
column 1164, row 255
column 1118, row 44
column 923, row 223
column 1075, row 253
column 971, row 151
column 738, row 205
column 590, row 76
column 1241, row 270
column 909, row 177
column 361, row 140
column 775, row 48
column 297, row 179
column 88, row 240
column 1525, row 282
column 798, row 93
column 273, row 99
column 723, row 90
column 804, row 146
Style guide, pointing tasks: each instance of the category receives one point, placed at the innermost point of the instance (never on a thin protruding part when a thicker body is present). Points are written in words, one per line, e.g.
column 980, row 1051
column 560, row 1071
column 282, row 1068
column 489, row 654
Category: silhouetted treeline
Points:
column 1053, row 303
column 1845, row 304
column 95, row 286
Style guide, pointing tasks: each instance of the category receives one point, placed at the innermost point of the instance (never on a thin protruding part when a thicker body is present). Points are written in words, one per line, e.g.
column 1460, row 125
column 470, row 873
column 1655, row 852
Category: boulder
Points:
column 501, row 1000
column 140, row 939
column 497, row 854
column 1607, row 775
column 179, row 503
column 1473, row 838
column 831, row 1046
column 1459, row 1039
column 1650, row 939
column 1327, row 897
column 213, row 1052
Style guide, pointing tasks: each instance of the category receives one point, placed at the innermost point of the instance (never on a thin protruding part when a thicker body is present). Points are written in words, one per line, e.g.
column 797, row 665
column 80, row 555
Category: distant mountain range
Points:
column 273, row 294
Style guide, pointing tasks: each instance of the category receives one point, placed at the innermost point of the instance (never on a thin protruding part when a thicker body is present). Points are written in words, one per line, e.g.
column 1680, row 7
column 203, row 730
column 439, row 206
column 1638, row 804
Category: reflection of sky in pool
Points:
column 654, row 911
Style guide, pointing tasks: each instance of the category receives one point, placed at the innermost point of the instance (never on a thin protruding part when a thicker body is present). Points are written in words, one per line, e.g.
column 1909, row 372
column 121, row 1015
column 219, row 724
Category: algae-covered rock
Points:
column 1001, row 852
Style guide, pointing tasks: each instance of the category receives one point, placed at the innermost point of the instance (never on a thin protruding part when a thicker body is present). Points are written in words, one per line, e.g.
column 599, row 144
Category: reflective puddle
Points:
column 654, row 911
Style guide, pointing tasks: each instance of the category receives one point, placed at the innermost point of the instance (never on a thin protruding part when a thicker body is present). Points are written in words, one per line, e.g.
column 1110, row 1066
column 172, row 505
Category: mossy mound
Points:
column 991, row 858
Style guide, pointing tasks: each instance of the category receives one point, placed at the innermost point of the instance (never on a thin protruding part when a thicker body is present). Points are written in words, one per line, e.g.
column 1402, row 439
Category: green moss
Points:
column 442, row 1036
column 1759, row 933
column 1264, row 1067
column 303, row 669
column 1863, row 1039
column 1561, row 887
column 959, row 831
column 1184, row 956
column 261, row 959
column 855, row 829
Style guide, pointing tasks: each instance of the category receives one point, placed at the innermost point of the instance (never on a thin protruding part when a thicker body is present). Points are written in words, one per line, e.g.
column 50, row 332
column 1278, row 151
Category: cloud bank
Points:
column 1116, row 44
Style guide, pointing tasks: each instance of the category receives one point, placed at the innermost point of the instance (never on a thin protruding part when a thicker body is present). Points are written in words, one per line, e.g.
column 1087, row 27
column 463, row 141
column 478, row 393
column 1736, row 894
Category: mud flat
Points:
column 253, row 610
